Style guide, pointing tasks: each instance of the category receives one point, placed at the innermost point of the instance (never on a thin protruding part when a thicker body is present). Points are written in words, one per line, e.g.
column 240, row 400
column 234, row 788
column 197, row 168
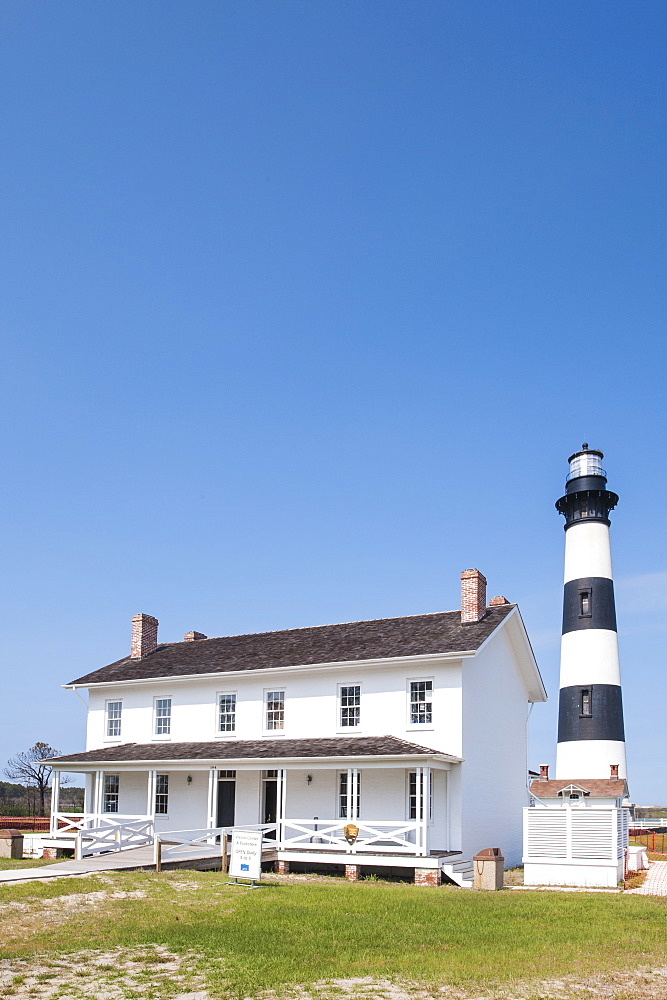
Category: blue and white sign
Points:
column 246, row 854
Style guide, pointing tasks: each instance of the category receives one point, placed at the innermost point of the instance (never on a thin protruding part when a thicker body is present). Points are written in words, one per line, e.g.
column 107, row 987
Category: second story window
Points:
column 226, row 713
column 162, row 716
column 350, row 705
column 421, row 703
column 161, row 794
column 114, row 712
column 275, row 709
column 111, row 792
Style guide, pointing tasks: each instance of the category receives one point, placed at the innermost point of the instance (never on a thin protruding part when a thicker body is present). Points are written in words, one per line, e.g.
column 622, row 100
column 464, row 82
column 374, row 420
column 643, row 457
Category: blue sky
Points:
column 303, row 308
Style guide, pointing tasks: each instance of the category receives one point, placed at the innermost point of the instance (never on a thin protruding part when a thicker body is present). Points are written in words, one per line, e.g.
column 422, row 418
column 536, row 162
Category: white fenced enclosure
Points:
column 576, row 846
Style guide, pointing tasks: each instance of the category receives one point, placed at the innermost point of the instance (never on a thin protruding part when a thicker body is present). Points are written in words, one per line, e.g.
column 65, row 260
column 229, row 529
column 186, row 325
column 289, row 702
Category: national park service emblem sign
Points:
column 351, row 832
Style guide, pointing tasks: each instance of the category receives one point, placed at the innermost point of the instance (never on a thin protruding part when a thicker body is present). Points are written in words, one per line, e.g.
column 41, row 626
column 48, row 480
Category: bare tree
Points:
column 32, row 768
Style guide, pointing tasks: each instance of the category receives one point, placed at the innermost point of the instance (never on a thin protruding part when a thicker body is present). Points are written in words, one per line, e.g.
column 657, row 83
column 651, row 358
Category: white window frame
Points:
column 340, row 728
column 408, row 796
column 265, row 710
column 339, row 796
column 225, row 734
column 156, row 699
column 408, row 691
column 107, row 720
column 162, row 795
column 107, row 794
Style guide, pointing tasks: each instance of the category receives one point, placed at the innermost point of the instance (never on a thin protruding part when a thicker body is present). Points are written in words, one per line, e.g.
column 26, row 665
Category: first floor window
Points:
column 162, row 716
column 226, row 713
column 421, row 703
column 350, row 705
column 344, row 797
column 161, row 794
column 111, row 791
column 275, row 709
column 114, row 711
column 412, row 797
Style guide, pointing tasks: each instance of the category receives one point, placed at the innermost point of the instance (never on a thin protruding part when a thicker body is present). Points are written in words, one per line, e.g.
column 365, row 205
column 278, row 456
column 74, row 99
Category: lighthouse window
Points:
column 586, row 704
column 585, row 603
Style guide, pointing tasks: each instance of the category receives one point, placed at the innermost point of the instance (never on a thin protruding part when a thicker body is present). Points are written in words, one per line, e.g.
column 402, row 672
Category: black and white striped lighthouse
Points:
column 591, row 739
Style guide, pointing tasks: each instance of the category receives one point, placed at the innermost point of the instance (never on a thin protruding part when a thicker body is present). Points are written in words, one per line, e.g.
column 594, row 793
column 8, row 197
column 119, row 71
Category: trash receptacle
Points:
column 11, row 844
column 488, row 869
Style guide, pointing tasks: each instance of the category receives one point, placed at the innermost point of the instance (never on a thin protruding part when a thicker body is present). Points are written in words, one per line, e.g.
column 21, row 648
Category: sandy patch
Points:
column 149, row 972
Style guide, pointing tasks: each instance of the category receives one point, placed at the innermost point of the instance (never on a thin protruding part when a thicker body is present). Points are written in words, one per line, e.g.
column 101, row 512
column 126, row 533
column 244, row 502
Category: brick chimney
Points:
column 614, row 772
column 144, row 636
column 544, row 772
column 193, row 636
column 473, row 596
column 496, row 601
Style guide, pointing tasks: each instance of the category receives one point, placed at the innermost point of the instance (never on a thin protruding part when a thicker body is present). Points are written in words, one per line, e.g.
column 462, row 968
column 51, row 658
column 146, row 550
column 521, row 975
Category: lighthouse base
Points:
column 590, row 758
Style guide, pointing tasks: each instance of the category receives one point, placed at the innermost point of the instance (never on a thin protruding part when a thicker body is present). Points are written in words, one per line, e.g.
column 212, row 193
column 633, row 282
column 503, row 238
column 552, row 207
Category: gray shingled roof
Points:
column 341, row 746
column 385, row 637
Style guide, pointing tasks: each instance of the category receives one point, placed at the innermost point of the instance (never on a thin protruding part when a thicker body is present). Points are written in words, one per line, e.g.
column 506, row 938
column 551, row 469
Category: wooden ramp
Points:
column 201, row 856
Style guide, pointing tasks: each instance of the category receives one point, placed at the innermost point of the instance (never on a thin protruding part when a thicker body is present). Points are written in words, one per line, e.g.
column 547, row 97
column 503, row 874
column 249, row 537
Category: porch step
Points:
column 459, row 872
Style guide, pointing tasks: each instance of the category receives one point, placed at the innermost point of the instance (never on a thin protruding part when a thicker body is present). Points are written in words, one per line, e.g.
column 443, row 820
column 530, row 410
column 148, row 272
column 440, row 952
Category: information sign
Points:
column 246, row 854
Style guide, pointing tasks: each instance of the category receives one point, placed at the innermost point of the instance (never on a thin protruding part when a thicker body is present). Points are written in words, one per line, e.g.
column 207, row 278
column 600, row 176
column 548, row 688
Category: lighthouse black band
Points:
column 589, row 603
column 604, row 707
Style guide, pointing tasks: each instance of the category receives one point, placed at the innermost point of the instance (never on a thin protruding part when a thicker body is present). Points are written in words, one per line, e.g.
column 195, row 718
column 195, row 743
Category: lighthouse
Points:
column 591, row 739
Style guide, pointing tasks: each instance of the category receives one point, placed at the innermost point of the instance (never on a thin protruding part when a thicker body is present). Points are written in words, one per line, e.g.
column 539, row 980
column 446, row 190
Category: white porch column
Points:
column 352, row 794
column 55, row 802
column 150, row 795
column 89, row 792
column 281, row 806
column 99, row 795
column 426, row 803
column 212, row 817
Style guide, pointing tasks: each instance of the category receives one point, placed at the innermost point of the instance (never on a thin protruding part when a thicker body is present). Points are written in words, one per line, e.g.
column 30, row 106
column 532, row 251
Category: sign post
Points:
column 246, row 855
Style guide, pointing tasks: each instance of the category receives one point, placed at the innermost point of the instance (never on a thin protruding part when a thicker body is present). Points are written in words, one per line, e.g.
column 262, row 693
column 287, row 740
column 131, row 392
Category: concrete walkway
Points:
column 136, row 857
column 655, row 883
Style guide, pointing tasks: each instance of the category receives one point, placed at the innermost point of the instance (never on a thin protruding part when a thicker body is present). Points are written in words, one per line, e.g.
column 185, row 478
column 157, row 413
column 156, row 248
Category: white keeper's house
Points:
column 410, row 731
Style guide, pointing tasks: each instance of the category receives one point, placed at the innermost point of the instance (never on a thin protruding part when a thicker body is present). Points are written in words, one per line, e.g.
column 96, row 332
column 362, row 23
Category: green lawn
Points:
column 25, row 863
column 283, row 934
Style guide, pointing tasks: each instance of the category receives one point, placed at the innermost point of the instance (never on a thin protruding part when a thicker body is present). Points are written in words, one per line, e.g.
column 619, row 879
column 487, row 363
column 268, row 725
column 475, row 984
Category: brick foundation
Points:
column 50, row 853
column 352, row 872
column 427, row 876
column 282, row 867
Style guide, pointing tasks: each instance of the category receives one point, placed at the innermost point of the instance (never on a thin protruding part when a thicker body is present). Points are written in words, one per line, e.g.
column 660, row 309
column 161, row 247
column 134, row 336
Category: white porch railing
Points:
column 385, row 836
column 173, row 844
column 116, row 836
column 69, row 824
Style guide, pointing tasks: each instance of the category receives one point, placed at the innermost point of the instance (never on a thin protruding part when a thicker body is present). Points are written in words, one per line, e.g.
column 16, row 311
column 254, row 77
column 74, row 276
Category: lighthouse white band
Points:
column 590, row 759
column 587, row 551
column 589, row 656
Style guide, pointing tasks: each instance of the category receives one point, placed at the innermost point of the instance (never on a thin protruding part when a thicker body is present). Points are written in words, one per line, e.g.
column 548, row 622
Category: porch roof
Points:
column 272, row 749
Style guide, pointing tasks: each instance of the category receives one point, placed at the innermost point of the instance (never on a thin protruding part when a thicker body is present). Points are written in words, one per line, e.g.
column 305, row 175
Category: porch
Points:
column 390, row 809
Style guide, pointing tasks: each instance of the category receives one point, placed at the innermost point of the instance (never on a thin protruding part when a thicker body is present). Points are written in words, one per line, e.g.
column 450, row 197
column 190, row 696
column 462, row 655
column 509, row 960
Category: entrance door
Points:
column 226, row 799
column 270, row 804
